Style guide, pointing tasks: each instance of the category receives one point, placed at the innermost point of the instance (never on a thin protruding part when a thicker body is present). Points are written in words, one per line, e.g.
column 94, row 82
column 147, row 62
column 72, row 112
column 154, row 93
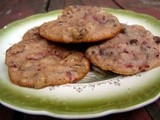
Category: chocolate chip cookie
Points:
column 34, row 62
column 133, row 50
column 81, row 24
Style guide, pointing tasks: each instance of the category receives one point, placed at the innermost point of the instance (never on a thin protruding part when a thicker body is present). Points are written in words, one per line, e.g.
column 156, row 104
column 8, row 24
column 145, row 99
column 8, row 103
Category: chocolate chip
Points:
column 60, row 22
column 79, row 33
column 133, row 41
column 104, row 52
column 114, row 25
column 122, row 31
column 157, row 55
column 157, row 39
column 125, row 51
column 93, row 52
column 101, row 51
column 104, row 21
column 82, row 33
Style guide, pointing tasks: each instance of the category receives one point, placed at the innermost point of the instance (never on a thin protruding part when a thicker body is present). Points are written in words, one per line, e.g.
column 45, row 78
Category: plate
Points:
column 99, row 93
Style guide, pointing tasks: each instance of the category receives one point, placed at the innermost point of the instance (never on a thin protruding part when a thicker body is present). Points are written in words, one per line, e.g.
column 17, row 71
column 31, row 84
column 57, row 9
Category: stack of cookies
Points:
column 42, row 59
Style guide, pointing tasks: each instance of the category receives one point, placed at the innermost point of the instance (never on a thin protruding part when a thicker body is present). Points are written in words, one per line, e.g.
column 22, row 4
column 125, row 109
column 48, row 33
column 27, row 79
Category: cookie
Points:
column 81, row 24
column 34, row 62
column 32, row 34
column 133, row 50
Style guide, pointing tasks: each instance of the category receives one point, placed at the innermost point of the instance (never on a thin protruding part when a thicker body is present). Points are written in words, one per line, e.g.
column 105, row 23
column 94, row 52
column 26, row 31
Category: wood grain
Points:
column 154, row 110
column 60, row 4
column 11, row 10
column 6, row 113
column 150, row 7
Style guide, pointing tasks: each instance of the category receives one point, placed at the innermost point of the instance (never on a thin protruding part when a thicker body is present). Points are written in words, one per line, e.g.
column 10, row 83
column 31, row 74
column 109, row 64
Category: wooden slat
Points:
column 139, row 114
column 60, row 4
column 38, row 117
column 11, row 10
column 158, row 103
column 154, row 110
column 150, row 7
column 18, row 116
column 6, row 113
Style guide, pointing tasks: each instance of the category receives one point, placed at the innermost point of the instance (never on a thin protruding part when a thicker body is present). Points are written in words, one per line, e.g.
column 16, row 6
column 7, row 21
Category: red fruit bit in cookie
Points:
column 101, row 20
column 95, row 18
column 70, row 76
column 36, row 56
column 144, row 67
column 59, row 54
column 144, row 42
column 129, row 66
column 14, row 65
column 16, row 52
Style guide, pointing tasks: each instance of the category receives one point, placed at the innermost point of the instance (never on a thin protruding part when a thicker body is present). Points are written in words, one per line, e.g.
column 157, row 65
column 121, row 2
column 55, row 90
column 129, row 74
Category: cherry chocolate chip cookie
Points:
column 81, row 24
column 133, row 50
column 34, row 62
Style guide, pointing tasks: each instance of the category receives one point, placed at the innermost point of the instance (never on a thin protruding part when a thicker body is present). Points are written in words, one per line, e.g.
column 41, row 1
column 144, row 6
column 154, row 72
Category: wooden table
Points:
column 11, row 10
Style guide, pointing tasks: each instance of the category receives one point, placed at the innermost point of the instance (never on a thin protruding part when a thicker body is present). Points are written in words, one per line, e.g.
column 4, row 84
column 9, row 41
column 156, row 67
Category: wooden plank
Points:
column 158, row 103
column 11, row 10
column 6, row 113
column 18, row 116
column 38, row 117
column 139, row 114
column 154, row 110
column 60, row 4
column 150, row 7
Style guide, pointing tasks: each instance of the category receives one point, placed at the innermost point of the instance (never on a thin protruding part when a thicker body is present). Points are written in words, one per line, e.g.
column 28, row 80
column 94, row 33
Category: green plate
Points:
column 98, row 94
